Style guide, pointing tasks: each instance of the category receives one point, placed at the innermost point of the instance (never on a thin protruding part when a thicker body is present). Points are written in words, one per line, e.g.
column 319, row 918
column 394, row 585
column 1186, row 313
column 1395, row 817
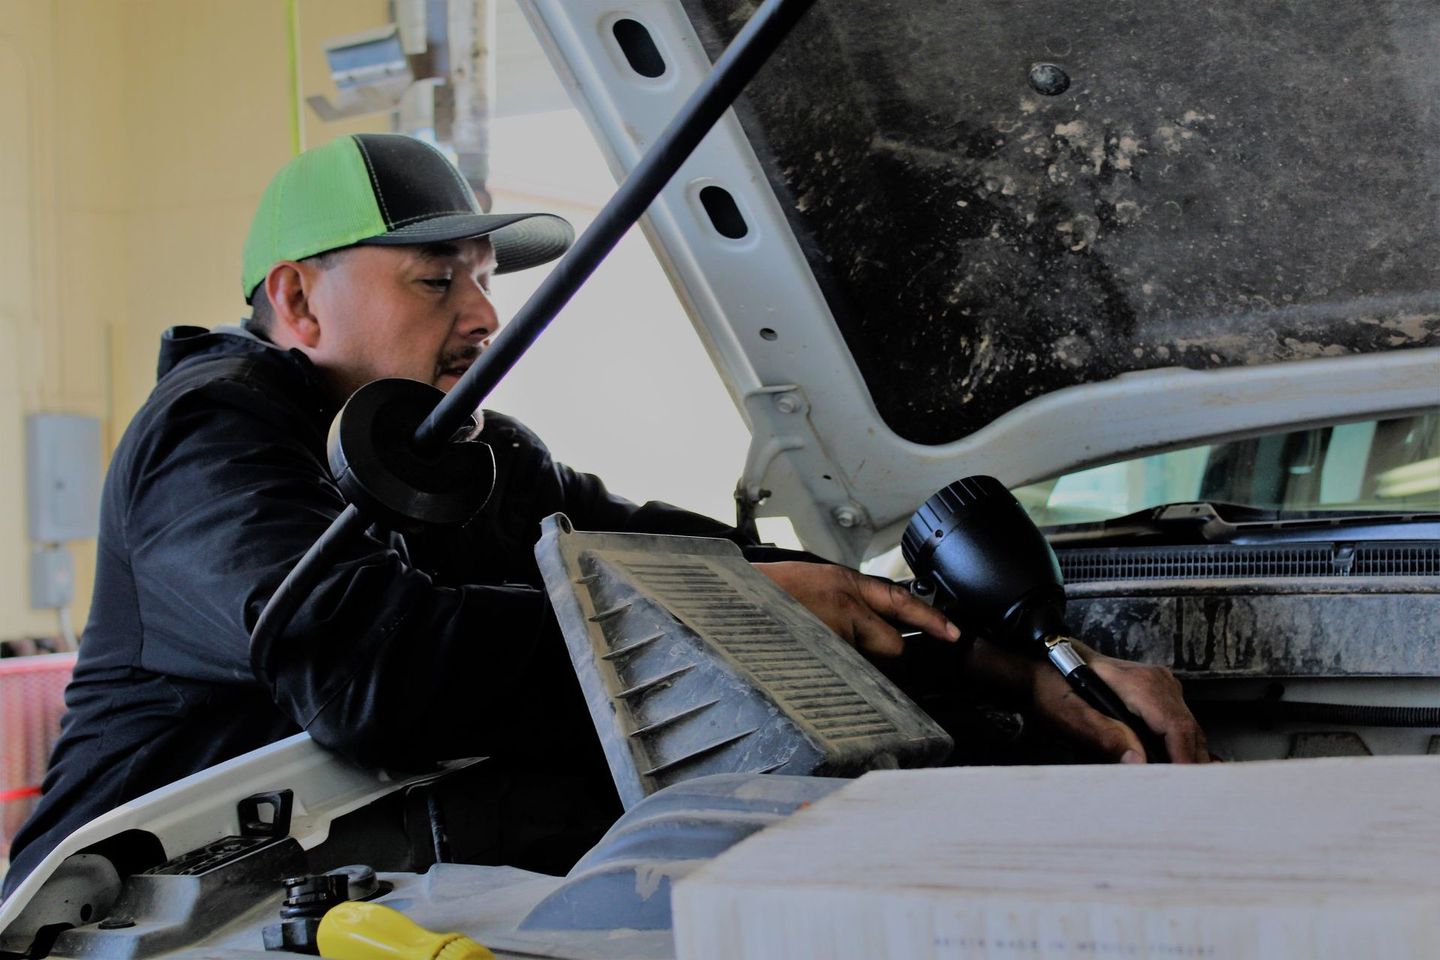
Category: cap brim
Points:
column 521, row 240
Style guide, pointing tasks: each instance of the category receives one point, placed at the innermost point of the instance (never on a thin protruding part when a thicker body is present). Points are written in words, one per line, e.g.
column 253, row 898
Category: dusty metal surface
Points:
column 1215, row 185
column 1342, row 744
column 1233, row 633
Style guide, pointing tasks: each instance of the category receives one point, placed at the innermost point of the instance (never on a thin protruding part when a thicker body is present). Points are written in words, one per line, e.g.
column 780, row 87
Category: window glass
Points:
column 1379, row 466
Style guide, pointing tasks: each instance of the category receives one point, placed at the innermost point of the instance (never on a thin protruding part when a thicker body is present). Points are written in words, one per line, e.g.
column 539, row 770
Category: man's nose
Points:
column 477, row 318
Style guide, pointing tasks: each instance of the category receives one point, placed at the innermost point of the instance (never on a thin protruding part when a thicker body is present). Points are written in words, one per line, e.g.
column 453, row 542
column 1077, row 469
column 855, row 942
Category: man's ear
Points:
column 288, row 286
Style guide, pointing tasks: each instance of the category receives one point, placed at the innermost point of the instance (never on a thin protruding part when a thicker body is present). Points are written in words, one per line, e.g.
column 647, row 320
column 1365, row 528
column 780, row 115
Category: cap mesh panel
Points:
column 319, row 201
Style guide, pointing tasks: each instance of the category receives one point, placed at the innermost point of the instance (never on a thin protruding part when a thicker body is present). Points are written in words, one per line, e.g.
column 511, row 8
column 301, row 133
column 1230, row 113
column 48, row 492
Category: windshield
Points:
column 1384, row 466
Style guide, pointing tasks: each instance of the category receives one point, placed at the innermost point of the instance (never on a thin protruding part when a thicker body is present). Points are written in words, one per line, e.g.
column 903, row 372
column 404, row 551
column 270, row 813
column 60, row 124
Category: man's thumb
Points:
column 1117, row 741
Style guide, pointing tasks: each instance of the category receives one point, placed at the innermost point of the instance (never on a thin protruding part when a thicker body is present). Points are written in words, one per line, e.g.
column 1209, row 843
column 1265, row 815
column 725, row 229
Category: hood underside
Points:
column 926, row 264
column 1217, row 185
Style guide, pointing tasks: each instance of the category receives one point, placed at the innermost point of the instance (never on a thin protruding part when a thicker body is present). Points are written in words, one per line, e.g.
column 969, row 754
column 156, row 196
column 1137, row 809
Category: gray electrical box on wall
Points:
column 52, row 577
column 62, row 474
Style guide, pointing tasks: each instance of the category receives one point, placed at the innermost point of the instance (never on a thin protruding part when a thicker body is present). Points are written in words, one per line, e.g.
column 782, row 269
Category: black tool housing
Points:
column 991, row 567
column 380, row 469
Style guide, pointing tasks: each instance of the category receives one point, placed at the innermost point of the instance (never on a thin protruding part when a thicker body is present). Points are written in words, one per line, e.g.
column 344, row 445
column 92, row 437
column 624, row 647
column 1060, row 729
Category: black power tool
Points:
column 993, row 572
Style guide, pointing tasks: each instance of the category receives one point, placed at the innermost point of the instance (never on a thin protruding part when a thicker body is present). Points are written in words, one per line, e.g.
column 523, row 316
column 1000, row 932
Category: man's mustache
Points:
column 463, row 356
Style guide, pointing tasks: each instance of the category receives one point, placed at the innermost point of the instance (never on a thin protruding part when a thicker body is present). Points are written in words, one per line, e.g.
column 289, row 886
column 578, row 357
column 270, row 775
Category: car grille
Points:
column 1246, row 561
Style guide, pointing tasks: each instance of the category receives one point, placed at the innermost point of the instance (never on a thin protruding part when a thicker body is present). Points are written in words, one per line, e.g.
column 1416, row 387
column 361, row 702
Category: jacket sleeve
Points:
column 531, row 485
column 380, row 663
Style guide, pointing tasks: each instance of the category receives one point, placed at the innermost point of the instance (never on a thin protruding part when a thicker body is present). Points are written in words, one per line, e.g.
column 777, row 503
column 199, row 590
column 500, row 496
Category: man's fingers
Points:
column 873, row 635
column 1178, row 746
column 1110, row 737
column 1182, row 746
column 1154, row 695
column 861, row 609
column 895, row 602
column 1151, row 693
column 1119, row 742
column 1184, row 742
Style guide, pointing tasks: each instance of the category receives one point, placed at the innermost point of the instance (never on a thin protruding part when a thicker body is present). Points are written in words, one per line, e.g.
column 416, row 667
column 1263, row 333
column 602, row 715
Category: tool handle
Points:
column 1099, row 695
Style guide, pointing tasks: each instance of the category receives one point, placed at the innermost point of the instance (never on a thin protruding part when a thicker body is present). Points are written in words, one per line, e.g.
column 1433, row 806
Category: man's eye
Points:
column 439, row 283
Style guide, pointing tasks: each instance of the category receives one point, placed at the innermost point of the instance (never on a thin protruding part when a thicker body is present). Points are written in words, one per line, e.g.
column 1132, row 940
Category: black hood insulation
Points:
column 1003, row 199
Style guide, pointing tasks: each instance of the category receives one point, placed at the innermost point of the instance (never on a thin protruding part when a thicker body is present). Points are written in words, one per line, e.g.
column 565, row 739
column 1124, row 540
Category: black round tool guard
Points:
column 991, row 567
column 391, row 479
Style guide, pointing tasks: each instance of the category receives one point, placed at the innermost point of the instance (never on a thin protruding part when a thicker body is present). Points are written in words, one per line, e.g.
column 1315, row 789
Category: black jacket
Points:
column 408, row 651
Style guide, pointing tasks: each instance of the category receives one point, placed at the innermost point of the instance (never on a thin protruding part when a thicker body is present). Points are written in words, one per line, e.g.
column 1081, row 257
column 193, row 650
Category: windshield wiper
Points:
column 1203, row 522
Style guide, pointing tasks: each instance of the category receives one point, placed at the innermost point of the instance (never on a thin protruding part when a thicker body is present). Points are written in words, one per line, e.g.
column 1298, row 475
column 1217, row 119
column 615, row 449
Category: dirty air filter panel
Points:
column 1000, row 199
column 694, row 663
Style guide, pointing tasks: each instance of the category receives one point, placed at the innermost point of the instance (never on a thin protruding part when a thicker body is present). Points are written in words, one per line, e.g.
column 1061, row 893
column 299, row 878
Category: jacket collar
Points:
column 183, row 344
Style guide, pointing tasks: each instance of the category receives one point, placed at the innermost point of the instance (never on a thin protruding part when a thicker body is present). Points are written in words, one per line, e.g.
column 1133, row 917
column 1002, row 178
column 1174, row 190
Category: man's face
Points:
column 420, row 312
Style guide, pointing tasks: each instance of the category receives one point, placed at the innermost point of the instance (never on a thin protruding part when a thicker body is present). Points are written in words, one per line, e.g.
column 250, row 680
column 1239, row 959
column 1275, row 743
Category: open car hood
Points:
column 914, row 254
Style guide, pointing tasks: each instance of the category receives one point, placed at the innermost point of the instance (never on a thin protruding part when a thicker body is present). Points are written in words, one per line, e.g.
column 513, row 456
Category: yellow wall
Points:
column 135, row 139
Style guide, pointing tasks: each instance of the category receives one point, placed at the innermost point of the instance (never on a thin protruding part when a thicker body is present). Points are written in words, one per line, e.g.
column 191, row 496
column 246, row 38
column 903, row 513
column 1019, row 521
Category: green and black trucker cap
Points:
column 386, row 189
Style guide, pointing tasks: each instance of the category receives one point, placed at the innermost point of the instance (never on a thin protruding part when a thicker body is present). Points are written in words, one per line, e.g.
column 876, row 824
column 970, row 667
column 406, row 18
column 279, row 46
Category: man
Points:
column 368, row 258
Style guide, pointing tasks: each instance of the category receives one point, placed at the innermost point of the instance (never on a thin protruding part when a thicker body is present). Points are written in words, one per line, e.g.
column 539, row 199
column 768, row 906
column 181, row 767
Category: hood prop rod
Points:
column 736, row 66
column 742, row 59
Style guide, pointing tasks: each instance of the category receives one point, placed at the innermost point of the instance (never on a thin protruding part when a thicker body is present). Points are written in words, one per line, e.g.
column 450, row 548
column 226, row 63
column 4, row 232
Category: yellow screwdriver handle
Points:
column 368, row 931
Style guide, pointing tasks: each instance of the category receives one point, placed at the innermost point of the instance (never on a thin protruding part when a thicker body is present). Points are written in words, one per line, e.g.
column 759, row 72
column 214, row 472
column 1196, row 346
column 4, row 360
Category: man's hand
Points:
column 1152, row 694
column 861, row 609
